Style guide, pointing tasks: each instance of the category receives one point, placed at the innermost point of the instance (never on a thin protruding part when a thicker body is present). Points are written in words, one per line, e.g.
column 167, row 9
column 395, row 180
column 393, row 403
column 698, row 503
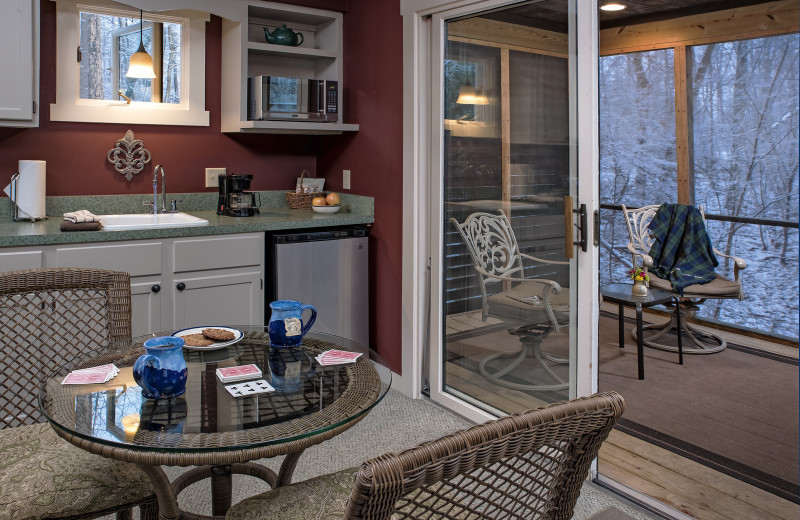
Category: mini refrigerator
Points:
column 327, row 268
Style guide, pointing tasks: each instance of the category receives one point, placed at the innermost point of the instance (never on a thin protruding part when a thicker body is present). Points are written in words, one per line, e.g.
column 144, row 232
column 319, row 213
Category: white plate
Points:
column 326, row 209
column 217, row 344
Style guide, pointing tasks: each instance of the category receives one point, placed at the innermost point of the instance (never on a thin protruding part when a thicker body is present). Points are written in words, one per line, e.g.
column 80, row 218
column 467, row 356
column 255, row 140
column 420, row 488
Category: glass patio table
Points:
column 208, row 427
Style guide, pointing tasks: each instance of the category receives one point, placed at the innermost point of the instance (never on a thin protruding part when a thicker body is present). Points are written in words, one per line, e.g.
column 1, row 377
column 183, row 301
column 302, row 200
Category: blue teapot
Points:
column 162, row 371
column 286, row 328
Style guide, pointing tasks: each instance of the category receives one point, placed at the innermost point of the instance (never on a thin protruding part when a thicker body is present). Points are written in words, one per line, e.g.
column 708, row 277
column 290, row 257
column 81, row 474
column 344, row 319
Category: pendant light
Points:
column 141, row 64
column 468, row 96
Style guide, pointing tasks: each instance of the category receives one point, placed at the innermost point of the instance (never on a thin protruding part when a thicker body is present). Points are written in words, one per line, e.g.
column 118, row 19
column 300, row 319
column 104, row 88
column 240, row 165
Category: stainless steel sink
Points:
column 149, row 221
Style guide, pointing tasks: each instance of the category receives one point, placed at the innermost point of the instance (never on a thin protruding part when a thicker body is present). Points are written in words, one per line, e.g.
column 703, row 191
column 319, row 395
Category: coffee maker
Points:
column 234, row 199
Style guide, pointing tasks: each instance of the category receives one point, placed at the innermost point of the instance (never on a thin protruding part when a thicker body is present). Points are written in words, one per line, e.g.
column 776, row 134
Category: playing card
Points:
column 249, row 388
column 91, row 375
column 238, row 373
column 337, row 357
column 78, row 378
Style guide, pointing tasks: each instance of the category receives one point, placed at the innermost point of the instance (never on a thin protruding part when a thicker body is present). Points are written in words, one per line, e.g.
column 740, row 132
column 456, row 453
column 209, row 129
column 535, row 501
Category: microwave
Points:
column 280, row 98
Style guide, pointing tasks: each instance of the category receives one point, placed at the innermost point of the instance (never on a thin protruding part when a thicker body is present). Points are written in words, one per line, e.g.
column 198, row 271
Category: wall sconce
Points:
column 468, row 96
column 141, row 64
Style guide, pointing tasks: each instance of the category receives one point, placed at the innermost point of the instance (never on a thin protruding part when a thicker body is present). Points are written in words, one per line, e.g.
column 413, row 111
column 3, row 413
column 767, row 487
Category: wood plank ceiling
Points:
column 549, row 14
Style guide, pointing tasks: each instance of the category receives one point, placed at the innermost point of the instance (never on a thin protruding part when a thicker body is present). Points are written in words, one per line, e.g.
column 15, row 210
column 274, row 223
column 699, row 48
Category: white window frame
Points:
column 70, row 107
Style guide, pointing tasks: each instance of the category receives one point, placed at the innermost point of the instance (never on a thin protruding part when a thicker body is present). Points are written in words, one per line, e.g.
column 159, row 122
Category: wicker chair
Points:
column 49, row 317
column 531, row 308
column 525, row 466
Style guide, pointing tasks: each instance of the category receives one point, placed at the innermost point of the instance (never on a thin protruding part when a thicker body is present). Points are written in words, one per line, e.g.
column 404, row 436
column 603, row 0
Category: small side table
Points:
column 620, row 293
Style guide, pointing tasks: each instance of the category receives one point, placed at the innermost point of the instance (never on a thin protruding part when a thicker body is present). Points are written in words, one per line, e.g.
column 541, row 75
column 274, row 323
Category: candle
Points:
column 130, row 423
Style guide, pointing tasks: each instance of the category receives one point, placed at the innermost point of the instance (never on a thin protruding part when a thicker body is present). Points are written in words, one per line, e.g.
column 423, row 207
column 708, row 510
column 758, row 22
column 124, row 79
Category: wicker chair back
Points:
column 525, row 466
column 49, row 317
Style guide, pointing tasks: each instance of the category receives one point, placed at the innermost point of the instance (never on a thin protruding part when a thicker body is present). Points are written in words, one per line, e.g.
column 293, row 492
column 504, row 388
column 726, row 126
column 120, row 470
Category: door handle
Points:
column 569, row 241
column 181, row 286
column 155, row 288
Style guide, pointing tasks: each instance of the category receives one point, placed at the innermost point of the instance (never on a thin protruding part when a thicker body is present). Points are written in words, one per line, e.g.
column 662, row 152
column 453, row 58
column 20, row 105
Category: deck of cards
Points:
column 238, row 373
column 337, row 357
column 91, row 376
column 249, row 388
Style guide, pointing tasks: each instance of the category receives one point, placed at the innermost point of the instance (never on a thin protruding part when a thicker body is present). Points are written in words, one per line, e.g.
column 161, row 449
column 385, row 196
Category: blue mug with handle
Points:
column 162, row 371
column 286, row 327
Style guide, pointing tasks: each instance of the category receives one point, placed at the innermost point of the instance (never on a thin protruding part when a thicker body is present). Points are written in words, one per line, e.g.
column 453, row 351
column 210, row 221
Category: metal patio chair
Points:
column 49, row 317
column 532, row 308
column 638, row 222
column 527, row 466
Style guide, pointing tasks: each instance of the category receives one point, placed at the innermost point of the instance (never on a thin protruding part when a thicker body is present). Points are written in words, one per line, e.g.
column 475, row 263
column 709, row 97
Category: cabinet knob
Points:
column 181, row 286
column 155, row 288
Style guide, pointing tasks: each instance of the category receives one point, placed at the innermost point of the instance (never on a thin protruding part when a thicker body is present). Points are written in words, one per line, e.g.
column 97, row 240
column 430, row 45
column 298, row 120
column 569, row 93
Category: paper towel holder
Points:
column 14, row 208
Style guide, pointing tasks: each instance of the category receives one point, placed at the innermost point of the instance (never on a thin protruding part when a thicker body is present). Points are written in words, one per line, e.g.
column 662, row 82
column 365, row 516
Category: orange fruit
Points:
column 319, row 201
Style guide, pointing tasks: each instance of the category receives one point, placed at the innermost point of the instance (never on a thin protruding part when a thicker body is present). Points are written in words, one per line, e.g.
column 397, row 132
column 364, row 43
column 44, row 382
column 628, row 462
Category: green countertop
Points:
column 274, row 215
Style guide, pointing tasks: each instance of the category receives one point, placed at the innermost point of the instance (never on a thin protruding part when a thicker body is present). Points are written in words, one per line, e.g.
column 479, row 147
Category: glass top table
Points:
column 209, row 427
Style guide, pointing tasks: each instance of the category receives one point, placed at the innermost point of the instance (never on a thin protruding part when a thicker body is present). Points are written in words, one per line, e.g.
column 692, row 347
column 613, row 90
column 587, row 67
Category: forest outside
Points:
column 743, row 132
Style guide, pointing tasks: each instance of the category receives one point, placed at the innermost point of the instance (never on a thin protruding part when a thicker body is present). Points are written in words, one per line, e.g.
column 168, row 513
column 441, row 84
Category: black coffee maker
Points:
column 234, row 199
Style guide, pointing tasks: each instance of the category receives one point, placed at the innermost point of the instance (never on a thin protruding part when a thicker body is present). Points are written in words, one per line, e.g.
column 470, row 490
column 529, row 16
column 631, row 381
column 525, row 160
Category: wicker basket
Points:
column 301, row 200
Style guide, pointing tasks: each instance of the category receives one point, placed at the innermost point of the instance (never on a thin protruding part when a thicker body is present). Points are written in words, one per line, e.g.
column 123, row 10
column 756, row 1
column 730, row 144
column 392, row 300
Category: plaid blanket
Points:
column 681, row 251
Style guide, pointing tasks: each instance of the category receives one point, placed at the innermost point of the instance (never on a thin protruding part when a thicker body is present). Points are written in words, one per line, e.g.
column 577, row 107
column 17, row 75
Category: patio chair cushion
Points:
column 522, row 304
column 718, row 287
column 43, row 476
column 321, row 498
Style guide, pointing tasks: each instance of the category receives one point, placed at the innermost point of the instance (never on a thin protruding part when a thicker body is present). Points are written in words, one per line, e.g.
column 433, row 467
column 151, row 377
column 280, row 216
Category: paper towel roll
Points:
column 30, row 189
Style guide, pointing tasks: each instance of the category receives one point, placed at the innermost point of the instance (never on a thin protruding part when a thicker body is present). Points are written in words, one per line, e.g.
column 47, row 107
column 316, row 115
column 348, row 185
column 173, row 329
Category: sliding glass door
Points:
column 504, row 291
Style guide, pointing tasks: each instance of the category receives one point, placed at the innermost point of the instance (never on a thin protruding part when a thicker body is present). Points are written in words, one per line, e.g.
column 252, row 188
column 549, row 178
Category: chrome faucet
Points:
column 173, row 204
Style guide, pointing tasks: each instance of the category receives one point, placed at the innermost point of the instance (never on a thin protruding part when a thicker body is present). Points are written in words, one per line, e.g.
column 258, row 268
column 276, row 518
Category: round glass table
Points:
column 208, row 426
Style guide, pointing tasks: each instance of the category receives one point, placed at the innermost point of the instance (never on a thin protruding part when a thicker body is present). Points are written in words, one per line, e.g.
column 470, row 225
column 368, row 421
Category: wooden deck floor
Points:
column 680, row 483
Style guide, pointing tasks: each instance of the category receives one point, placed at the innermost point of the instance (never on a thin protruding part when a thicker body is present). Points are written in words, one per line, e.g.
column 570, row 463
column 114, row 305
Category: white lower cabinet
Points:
column 175, row 283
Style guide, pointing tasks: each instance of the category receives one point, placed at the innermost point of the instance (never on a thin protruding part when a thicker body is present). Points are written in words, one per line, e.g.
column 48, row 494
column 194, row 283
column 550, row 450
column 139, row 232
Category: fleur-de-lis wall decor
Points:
column 129, row 155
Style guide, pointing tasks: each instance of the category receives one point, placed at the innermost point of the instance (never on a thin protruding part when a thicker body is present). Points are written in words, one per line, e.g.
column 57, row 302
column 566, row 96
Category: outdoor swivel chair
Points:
column 641, row 242
column 531, row 308
column 524, row 466
column 49, row 317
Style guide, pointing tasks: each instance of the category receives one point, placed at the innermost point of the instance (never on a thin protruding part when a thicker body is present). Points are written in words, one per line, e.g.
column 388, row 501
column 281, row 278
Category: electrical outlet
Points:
column 345, row 179
column 212, row 176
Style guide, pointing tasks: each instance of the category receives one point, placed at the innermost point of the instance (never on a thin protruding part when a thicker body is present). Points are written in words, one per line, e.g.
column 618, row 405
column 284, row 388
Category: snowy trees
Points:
column 744, row 113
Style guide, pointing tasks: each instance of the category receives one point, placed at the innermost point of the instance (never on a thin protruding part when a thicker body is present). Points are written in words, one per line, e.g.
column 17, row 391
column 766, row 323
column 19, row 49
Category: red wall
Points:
column 77, row 164
column 373, row 71
column 76, row 152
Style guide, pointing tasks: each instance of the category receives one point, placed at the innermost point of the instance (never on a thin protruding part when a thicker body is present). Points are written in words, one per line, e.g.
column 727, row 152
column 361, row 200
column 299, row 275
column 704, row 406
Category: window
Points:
column 93, row 87
column 107, row 42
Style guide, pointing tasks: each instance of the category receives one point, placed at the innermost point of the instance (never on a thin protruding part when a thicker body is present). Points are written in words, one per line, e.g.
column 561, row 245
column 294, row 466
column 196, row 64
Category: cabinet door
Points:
column 146, row 299
column 17, row 60
column 219, row 299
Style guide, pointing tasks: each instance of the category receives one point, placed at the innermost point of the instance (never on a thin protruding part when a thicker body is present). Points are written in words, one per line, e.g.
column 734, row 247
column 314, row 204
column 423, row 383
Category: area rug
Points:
column 735, row 411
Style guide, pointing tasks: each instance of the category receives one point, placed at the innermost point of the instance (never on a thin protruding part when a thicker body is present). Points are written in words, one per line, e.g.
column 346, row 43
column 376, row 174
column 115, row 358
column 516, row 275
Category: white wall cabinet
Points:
column 175, row 283
column 246, row 53
column 19, row 61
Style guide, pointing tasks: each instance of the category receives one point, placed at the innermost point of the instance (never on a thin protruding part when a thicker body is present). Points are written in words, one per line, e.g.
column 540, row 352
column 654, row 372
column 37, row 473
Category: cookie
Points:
column 197, row 340
column 219, row 334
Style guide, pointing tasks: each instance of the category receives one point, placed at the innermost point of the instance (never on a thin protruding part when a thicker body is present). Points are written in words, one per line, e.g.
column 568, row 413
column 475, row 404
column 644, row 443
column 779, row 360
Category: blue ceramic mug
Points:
column 286, row 327
column 161, row 372
column 289, row 368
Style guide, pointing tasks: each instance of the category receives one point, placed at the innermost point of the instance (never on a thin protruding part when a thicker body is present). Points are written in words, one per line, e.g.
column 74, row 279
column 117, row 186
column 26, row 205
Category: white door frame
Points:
column 421, row 155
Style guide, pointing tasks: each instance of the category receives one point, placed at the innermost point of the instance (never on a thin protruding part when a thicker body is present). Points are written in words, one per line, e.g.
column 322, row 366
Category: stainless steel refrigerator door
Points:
column 331, row 275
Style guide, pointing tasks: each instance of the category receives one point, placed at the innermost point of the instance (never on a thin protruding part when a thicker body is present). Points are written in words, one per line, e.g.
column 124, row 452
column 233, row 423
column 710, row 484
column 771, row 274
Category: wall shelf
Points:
column 247, row 54
column 294, row 127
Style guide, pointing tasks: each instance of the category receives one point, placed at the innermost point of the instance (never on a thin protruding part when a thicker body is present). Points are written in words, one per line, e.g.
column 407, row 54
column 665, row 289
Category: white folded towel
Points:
column 80, row 216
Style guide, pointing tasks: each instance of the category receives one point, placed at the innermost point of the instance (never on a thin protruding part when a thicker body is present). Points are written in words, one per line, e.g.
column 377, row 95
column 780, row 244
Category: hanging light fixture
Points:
column 468, row 96
column 141, row 64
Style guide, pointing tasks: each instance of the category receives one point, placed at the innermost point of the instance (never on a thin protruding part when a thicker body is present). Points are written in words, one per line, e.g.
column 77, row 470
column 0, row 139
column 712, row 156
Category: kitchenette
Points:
column 180, row 276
